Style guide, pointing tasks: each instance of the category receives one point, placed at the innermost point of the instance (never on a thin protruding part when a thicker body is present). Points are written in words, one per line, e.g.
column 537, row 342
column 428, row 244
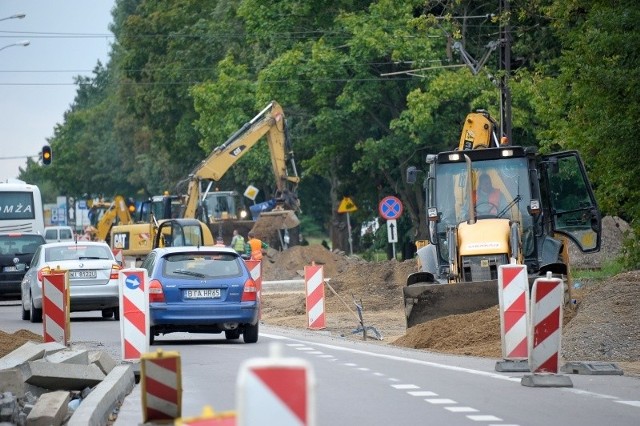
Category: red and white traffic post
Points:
column 276, row 390
column 56, row 306
column 513, row 295
column 134, row 313
column 314, row 289
column 547, row 297
column 161, row 386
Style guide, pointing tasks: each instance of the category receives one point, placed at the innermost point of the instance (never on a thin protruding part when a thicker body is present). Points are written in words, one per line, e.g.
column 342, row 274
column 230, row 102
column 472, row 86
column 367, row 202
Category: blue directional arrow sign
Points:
column 390, row 208
column 132, row 281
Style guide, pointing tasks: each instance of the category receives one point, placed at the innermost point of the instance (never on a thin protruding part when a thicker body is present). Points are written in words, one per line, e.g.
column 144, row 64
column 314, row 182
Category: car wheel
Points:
column 116, row 314
column 250, row 334
column 107, row 313
column 232, row 334
column 35, row 315
column 25, row 313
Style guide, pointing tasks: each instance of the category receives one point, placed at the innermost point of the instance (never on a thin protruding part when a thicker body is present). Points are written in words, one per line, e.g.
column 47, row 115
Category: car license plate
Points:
column 205, row 293
column 83, row 275
column 10, row 269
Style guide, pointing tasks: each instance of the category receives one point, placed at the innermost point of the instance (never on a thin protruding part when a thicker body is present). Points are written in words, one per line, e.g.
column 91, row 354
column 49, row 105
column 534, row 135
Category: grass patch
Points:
column 608, row 269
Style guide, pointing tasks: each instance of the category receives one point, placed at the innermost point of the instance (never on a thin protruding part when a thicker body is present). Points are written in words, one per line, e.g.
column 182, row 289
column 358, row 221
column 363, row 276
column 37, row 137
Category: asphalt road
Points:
column 367, row 383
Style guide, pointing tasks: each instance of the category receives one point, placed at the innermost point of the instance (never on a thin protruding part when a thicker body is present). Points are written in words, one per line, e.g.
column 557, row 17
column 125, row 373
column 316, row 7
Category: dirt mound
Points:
column 289, row 264
column 607, row 324
column 12, row 341
column 476, row 334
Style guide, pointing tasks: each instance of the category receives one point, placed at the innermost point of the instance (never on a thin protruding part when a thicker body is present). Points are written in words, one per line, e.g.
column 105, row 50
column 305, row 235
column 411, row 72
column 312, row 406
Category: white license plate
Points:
column 10, row 269
column 205, row 293
column 83, row 275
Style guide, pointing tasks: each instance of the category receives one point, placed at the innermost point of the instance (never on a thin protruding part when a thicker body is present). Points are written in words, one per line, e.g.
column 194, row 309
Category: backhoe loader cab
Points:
column 494, row 206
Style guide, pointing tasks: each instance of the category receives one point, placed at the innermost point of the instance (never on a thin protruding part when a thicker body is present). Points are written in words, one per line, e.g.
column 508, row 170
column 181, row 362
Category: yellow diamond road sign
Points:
column 347, row 206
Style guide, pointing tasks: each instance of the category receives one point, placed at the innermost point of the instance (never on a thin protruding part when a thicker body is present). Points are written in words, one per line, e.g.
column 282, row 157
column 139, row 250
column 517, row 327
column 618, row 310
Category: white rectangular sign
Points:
column 392, row 231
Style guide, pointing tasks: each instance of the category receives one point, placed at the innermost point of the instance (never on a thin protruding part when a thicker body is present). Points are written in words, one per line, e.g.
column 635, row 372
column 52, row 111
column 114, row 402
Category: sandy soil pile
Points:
column 11, row 341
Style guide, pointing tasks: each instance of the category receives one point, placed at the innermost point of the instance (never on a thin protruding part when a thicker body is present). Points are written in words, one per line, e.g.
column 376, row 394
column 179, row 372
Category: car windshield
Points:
column 76, row 252
column 19, row 244
column 201, row 265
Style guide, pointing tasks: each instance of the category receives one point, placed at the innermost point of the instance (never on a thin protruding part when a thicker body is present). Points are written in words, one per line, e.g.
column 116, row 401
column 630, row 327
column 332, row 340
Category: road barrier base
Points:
column 510, row 365
column 592, row 368
column 546, row 381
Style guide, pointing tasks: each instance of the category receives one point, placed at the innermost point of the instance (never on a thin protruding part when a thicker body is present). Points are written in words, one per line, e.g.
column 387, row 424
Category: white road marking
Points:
column 422, row 393
column 631, row 403
column 457, row 409
column 440, row 401
column 405, row 386
column 483, row 418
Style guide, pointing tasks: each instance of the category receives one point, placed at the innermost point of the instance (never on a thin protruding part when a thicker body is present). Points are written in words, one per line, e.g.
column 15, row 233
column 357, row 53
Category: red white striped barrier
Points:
column 161, row 385
column 547, row 296
column 314, row 288
column 134, row 313
column 255, row 270
column 276, row 391
column 513, row 292
column 117, row 253
column 546, row 324
column 55, row 307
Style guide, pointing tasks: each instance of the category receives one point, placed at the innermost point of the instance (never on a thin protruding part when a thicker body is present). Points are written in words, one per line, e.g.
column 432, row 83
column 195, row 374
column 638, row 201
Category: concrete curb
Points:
column 95, row 409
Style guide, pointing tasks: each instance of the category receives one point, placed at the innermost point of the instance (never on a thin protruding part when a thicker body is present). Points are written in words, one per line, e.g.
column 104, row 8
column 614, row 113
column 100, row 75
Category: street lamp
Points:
column 16, row 16
column 20, row 43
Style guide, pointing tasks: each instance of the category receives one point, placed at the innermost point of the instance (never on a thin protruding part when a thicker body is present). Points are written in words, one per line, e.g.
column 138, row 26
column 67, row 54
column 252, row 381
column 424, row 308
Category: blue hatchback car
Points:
column 201, row 290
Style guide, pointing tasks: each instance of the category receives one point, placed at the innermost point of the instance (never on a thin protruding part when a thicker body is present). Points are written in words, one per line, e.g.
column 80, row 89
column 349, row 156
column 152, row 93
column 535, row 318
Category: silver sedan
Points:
column 93, row 278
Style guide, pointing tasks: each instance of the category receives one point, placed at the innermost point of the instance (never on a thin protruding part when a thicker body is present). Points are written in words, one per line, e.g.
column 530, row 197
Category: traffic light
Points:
column 46, row 155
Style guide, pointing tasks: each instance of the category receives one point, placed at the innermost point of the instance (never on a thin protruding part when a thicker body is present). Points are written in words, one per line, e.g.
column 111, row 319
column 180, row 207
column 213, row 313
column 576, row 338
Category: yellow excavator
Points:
column 275, row 219
column 491, row 203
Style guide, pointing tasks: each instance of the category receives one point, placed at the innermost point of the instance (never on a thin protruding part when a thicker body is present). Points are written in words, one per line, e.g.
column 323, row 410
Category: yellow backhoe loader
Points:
column 490, row 203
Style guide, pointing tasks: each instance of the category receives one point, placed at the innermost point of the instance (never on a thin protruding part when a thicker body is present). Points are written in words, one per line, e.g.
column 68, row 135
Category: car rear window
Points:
column 13, row 244
column 77, row 252
column 201, row 265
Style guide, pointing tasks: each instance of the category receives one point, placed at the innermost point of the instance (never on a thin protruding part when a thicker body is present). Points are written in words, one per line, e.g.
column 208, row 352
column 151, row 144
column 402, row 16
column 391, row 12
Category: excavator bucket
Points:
column 278, row 219
column 425, row 301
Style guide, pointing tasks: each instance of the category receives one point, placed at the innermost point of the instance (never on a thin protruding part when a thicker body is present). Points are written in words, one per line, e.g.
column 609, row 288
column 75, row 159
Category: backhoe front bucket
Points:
column 425, row 301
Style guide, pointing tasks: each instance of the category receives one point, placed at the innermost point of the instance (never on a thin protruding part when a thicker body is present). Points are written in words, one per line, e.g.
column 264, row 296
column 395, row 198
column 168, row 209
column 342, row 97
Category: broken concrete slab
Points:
column 61, row 376
column 95, row 409
column 69, row 356
column 28, row 352
column 51, row 409
column 103, row 360
column 12, row 381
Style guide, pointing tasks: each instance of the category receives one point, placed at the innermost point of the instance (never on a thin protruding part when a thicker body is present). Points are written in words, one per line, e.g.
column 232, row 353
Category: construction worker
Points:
column 255, row 247
column 488, row 200
column 237, row 242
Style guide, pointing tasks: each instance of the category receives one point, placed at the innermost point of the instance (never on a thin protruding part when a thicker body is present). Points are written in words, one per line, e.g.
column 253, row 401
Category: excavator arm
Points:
column 119, row 210
column 270, row 122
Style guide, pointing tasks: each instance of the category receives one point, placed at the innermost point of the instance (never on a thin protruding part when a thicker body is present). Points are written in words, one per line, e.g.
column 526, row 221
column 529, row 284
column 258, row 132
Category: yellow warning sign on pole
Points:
column 347, row 206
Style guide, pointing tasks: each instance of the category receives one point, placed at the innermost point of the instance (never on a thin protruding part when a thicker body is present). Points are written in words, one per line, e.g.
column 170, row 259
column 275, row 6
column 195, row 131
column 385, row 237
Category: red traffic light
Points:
column 46, row 155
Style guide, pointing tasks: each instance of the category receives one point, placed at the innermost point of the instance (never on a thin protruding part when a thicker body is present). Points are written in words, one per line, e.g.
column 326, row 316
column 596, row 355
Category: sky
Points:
column 67, row 38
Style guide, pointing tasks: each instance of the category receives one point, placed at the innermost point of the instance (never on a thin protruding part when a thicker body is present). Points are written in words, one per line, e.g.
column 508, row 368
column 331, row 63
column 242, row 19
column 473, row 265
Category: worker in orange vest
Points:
column 255, row 247
column 488, row 200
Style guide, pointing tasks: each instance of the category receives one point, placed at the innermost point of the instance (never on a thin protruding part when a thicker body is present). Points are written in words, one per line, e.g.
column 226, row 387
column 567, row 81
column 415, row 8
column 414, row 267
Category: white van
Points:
column 58, row 233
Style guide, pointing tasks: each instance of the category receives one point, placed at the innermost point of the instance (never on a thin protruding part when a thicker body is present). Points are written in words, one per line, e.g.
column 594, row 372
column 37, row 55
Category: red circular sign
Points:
column 390, row 208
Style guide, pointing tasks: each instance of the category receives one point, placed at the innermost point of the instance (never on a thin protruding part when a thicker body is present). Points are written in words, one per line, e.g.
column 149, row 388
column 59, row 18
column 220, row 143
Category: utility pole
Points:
column 505, row 67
